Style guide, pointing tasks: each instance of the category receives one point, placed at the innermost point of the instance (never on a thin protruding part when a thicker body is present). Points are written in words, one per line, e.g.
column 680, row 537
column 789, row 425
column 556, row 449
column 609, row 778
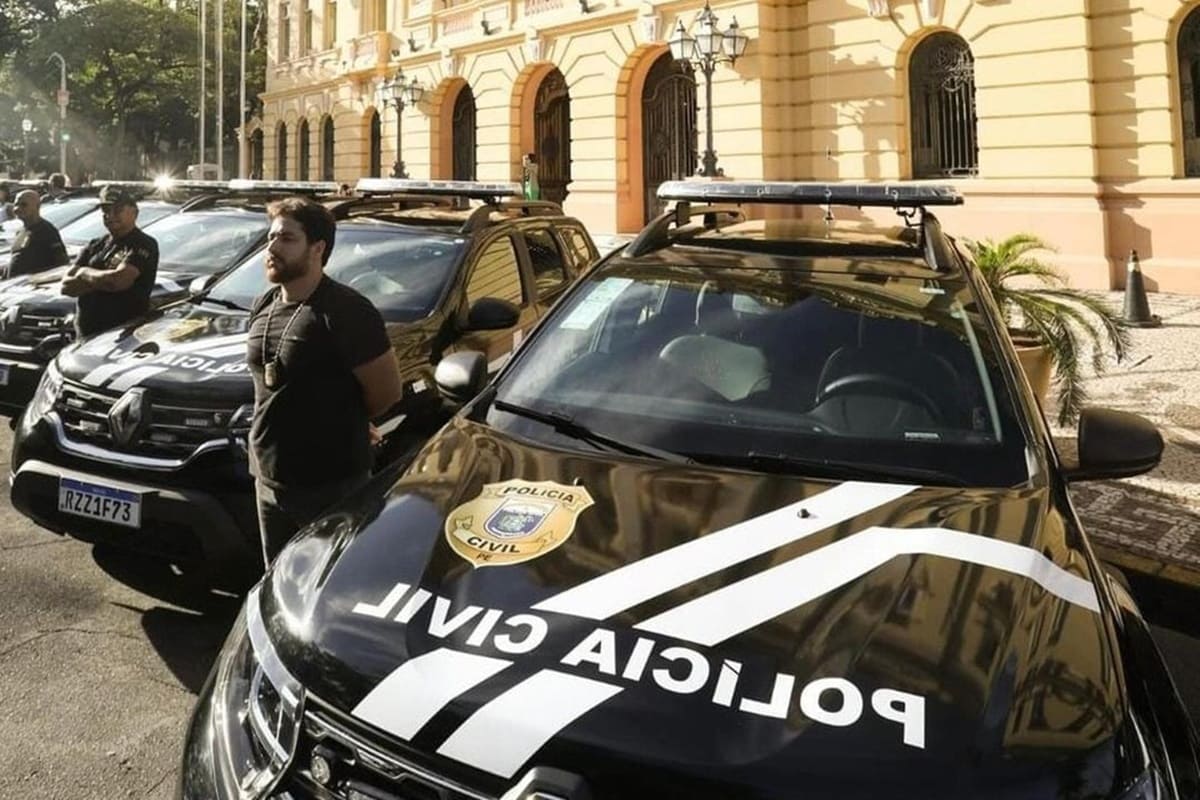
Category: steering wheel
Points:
column 877, row 384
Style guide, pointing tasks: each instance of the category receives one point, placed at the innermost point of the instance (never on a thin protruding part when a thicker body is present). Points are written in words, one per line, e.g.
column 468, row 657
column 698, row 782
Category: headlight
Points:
column 46, row 393
column 257, row 707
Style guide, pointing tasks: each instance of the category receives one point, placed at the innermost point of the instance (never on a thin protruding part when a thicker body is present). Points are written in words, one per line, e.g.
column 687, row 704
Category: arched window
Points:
column 256, row 154
column 376, row 156
column 1188, row 45
column 463, row 135
column 281, row 153
column 942, row 92
column 302, row 161
column 327, row 149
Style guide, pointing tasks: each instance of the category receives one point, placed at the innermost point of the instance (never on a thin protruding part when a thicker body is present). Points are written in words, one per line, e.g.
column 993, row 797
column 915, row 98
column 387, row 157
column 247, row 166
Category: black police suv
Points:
column 212, row 232
column 137, row 436
column 761, row 509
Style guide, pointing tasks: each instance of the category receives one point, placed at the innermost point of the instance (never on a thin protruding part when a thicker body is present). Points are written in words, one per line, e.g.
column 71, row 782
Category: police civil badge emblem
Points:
column 515, row 521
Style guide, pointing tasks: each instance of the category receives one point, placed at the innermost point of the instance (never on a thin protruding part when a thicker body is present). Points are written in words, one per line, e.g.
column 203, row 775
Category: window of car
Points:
column 206, row 243
column 401, row 272
column 91, row 225
column 496, row 273
column 547, row 261
column 579, row 252
column 803, row 371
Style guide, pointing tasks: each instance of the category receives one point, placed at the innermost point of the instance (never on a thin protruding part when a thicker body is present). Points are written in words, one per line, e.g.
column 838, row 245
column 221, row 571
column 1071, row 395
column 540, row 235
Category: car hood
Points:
column 679, row 630
column 39, row 293
column 187, row 350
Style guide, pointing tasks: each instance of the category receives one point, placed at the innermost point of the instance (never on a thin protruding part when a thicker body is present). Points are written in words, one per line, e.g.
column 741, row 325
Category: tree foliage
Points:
column 133, row 75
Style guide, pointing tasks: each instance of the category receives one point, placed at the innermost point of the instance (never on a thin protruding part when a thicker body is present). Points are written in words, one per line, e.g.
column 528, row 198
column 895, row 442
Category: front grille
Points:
column 363, row 766
column 30, row 329
column 172, row 431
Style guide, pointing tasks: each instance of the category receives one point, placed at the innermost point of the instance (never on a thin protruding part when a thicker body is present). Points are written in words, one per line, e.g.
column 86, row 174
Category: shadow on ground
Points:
column 190, row 625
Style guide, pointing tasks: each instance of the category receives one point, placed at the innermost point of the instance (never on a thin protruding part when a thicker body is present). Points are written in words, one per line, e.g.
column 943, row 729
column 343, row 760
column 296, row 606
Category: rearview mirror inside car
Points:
column 461, row 376
column 491, row 314
column 1114, row 444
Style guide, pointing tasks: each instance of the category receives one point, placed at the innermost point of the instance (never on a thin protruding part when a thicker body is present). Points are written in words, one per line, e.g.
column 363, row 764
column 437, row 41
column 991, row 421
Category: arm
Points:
column 85, row 280
column 380, row 382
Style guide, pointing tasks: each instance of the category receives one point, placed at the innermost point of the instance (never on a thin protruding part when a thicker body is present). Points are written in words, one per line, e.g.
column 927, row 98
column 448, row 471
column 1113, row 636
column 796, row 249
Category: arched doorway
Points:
column 302, row 161
column 375, row 157
column 668, row 127
column 256, row 154
column 552, row 136
column 281, row 151
column 327, row 149
column 942, row 93
column 462, row 134
column 1188, row 47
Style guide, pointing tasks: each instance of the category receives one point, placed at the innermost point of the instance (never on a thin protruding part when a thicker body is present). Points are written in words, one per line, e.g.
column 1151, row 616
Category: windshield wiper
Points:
column 828, row 468
column 203, row 298
column 566, row 425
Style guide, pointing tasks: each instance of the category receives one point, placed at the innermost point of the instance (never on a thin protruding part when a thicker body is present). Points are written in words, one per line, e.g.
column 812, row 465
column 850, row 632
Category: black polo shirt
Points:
column 99, row 311
column 36, row 248
column 311, row 427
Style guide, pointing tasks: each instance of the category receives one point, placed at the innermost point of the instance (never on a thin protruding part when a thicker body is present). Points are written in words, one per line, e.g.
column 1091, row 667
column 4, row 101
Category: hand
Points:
column 373, row 434
column 72, row 286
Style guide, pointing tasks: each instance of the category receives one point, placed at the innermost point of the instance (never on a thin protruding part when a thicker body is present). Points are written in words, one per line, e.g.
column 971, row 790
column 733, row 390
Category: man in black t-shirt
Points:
column 114, row 275
column 323, row 368
column 37, row 247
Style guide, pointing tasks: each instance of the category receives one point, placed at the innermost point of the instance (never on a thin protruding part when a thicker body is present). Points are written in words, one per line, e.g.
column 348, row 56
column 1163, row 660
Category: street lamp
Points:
column 62, row 111
column 400, row 94
column 710, row 47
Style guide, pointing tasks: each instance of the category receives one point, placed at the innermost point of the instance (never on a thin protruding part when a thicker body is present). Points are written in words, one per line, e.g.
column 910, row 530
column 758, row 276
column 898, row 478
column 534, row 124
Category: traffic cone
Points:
column 1137, row 308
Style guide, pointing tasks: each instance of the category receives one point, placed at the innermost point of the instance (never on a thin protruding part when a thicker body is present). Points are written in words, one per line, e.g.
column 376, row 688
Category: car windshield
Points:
column 206, row 242
column 835, row 374
column 91, row 225
column 58, row 214
column 401, row 272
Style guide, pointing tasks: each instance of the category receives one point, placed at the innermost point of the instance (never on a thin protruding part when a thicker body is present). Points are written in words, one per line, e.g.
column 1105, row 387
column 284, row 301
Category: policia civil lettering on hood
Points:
column 114, row 274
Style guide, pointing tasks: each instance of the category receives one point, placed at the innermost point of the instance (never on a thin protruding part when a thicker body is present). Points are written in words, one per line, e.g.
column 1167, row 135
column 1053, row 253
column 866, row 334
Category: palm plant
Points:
column 1036, row 302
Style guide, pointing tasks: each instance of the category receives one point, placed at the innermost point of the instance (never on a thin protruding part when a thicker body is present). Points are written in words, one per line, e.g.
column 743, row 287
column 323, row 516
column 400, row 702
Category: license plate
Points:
column 4, row 374
column 94, row 501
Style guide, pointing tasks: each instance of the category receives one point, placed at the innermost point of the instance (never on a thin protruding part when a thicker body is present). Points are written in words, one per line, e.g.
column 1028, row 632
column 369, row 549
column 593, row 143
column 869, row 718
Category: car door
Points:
column 495, row 271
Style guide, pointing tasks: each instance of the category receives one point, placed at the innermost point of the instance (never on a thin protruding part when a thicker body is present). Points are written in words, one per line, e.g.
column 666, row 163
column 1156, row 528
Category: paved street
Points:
column 101, row 656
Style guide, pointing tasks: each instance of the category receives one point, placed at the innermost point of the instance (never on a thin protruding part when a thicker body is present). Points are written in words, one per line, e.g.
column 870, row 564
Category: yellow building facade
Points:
column 1075, row 120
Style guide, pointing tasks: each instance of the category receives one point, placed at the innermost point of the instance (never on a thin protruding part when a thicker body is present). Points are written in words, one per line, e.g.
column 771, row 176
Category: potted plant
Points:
column 1053, row 326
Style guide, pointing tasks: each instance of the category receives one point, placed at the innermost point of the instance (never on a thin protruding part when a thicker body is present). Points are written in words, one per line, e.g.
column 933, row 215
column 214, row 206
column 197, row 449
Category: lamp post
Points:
column 400, row 94
column 710, row 47
column 62, row 111
column 26, row 127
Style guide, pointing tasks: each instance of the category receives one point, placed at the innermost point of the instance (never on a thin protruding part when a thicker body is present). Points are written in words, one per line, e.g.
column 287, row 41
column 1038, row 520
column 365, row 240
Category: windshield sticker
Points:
column 515, row 521
column 599, row 298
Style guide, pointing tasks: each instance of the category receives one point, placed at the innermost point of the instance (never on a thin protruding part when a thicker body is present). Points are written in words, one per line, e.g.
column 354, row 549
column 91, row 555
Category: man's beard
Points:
column 282, row 271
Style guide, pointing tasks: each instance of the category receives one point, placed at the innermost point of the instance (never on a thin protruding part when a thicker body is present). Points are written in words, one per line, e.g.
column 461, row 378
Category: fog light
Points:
column 320, row 768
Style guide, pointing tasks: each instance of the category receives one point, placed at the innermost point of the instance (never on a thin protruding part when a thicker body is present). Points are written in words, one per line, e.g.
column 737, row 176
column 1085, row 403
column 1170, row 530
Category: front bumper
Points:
column 203, row 514
column 22, row 380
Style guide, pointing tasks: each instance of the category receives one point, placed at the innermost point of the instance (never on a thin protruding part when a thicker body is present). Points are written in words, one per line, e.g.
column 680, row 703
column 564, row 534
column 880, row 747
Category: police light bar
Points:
column 143, row 185
column 166, row 183
column 284, row 187
column 804, row 193
column 476, row 190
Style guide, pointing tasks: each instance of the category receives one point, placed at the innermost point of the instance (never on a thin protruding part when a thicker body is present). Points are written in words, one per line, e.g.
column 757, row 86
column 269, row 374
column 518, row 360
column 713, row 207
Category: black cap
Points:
column 117, row 196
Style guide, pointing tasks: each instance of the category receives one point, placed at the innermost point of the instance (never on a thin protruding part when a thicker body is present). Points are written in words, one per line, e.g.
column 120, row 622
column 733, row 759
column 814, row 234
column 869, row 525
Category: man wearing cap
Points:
column 37, row 247
column 113, row 276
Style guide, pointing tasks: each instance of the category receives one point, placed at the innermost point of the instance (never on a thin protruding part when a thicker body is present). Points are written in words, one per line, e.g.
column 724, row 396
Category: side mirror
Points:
column 461, row 376
column 492, row 314
column 199, row 284
column 1114, row 444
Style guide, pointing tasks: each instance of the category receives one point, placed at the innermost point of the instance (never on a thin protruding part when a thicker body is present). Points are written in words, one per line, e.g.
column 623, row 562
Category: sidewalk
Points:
column 1151, row 524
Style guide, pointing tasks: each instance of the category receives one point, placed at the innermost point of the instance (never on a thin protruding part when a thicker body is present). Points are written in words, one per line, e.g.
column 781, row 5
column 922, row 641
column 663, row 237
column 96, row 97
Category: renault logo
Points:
column 127, row 415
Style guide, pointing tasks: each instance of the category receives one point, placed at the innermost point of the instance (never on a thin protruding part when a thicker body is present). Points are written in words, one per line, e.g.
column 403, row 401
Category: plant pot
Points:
column 1037, row 363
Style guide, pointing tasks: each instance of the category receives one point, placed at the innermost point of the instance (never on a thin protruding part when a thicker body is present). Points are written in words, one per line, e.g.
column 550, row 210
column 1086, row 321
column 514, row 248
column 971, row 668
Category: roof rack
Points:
column 657, row 234
column 482, row 217
column 809, row 193
column 344, row 208
column 284, row 187
column 471, row 190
